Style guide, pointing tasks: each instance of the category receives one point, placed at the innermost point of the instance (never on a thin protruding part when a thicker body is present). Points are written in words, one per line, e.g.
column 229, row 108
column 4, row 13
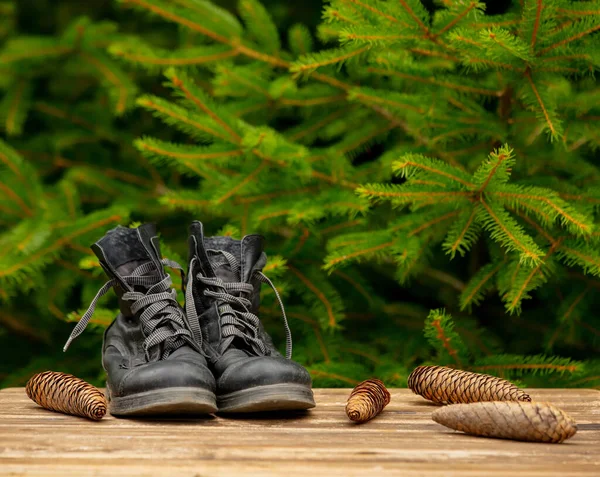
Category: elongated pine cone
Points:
column 522, row 421
column 67, row 394
column 367, row 400
column 452, row 386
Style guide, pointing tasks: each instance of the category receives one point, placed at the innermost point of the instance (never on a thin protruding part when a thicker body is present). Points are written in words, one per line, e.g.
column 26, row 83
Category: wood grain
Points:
column 403, row 440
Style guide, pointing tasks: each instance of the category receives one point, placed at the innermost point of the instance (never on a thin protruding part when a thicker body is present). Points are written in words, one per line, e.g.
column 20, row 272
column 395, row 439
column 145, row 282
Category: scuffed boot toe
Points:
column 164, row 387
column 265, row 384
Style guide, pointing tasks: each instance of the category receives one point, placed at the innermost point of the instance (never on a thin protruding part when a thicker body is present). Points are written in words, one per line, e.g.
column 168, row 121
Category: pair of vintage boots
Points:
column 215, row 355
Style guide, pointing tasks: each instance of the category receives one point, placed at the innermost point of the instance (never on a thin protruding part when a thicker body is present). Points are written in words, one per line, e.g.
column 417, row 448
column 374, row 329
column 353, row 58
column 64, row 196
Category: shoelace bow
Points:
column 241, row 323
column 162, row 319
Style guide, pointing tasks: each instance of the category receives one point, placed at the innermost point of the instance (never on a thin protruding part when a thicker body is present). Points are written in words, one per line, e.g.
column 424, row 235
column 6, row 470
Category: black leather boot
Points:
column 151, row 356
column 223, row 292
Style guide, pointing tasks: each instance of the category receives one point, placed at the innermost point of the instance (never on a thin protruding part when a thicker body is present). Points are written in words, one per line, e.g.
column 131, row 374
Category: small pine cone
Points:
column 452, row 386
column 67, row 394
column 367, row 400
column 521, row 421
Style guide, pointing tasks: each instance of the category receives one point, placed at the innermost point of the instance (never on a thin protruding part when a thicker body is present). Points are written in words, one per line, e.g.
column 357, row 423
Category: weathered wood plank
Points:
column 401, row 441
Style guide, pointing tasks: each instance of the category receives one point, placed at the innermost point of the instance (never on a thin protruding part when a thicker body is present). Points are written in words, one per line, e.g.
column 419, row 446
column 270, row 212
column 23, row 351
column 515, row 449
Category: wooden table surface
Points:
column 403, row 440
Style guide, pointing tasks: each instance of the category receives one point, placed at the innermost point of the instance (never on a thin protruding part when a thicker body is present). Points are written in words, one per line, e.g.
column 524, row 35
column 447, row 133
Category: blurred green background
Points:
column 78, row 159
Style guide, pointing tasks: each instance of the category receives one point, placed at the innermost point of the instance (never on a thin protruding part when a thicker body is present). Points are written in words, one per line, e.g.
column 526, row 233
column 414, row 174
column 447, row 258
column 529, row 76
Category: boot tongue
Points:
column 122, row 250
column 235, row 260
column 225, row 255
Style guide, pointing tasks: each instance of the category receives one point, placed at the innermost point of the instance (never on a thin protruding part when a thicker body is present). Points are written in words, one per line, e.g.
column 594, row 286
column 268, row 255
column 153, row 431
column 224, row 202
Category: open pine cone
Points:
column 444, row 385
column 367, row 400
column 66, row 393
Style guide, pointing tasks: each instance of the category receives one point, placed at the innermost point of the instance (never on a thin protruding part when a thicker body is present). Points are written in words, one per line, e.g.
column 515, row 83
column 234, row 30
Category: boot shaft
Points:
column 237, row 264
column 249, row 251
column 210, row 260
column 154, row 323
column 122, row 250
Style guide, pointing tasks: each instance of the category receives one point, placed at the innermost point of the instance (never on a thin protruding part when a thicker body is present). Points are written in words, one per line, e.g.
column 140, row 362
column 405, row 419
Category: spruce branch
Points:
column 260, row 25
column 547, row 113
column 416, row 11
column 182, row 118
column 154, row 59
column 32, row 49
column 495, row 45
column 547, row 205
column 14, row 107
column 571, row 304
column 191, row 14
column 232, row 188
column 456, row 16
column 505, row 230
column 569, row 35
column 335, row 259
column 64, row 163
column 411, row 259
column 459, row 85
column 162, row 148
column 433, row 222
column 516, row 365
column 188, row 159
column 580, row 253
column 396, row 101
column 411, row 164
column 593, row 8
column 181, row 83
column 527, row 280
column 406, row 194
column 25, row 192
column 463, row 233
column 274, row 195
column 229, row 81
column 374, row 36
column 228, row 35
column 495, row 171
column 439, row 331
column 379, row 12
column 311, row 62
column 363, row 288
column 329, row 305
column 479, row 285
column 58, row 112
column 188, row 200
column 126, row 89
column 312, row 128
column 536, row 22
column 17, row 267
column 178, row 16
column 300, row 40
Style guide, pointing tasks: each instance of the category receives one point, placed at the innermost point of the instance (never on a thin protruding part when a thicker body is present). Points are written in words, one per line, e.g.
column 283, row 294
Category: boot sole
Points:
column 275, row 397
column 169, row 401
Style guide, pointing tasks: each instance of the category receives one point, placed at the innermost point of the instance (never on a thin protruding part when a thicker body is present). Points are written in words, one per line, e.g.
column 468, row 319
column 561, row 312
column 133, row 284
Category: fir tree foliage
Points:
column 399, row 159
column 452, row 351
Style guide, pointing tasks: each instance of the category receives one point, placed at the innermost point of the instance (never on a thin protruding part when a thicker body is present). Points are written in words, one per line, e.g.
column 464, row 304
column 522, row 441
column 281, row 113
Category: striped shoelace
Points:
column 162, row 320
column 237, row 321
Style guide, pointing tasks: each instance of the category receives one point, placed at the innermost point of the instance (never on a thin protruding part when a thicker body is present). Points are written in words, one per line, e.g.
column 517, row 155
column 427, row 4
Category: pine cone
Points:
column 67, row 394
column 452, row 386
column 367, row 400
column 522, row 421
